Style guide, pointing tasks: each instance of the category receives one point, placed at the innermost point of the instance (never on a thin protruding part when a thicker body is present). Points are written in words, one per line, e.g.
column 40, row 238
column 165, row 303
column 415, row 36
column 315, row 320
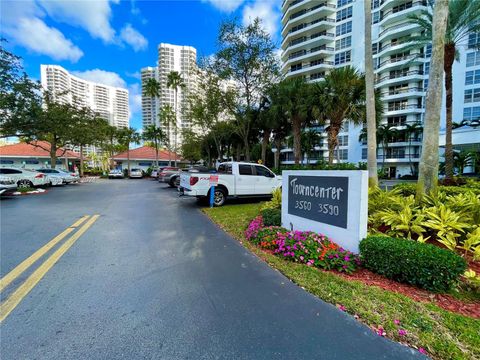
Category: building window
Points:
column 343, row 43
column 375, row 4
column 473, row 59
column 472, row 77
column 428, row 51
column 397, row 120
column 473, row 40
column 376, row 17
column 426, row 68
column 425, row 85
column 472, row 95
column 344, row 28
column 344, row 14
column 343, row 57
column 343, row 140
column 341, row 3
column 364, row 153
column 471, row 113
column 342, row 154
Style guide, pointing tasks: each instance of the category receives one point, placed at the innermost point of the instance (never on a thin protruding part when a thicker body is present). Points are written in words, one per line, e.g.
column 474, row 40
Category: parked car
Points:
column 56, row 177
column 192, row 169
column 235, row 179
column 168, row 174
column 155, row 172
column 25, row 178
column 136, row 173
column 115, row 174
column 7, row 185
column 73, row 177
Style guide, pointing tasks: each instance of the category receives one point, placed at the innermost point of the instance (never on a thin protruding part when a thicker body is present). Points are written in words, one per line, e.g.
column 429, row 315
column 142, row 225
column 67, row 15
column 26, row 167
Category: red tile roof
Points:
column 29, row 150
column 146, row 153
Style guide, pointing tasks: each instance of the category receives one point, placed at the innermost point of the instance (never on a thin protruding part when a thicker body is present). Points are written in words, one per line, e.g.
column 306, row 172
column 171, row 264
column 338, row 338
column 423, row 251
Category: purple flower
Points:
column 422, row 350
column 402, row 332
column 346, row 258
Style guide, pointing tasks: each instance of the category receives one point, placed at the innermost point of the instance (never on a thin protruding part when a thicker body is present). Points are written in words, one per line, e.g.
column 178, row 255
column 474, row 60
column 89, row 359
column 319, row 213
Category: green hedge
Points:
column 272, row 217
column 423, row 265
column 410, row 189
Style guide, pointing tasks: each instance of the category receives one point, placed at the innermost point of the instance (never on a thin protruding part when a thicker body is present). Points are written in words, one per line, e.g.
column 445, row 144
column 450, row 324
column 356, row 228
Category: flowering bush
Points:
column 305, row 247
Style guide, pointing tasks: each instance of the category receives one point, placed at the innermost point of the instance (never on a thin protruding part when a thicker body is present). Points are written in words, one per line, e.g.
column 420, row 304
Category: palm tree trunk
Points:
column 370, row 101
column 128, row 160
column 428, row 174
column 266, row 136
column 278, row 144
column 81, row 160
column 175, row 130
column 156, row 153
column 297, row 140
column 332, row 143
column 449, row 59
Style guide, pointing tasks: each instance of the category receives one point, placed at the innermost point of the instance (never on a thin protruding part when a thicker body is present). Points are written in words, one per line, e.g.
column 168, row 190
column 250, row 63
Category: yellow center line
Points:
column 25, row 264
column 8, row 305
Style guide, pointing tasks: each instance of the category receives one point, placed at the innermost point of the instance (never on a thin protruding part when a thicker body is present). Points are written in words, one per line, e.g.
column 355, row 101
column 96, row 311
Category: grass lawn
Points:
column 444, row 335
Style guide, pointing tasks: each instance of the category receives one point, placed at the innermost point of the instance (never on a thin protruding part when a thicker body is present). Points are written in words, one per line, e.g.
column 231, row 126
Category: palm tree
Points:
column 175, row 81
column 310, row 139
column 152, row 88
column 370, row 100
column 463, row 19
column 155, row 134
column 126, row 137
column 167, row 118
column 294, row 99
column 428, row 168
column 340, row 97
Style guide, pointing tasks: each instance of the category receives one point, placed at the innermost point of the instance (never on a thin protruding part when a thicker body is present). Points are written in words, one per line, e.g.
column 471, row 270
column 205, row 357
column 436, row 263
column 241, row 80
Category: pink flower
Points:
column 422, row 350
column 402, row 332
column 301, row 258
column 381, row 331
column 341, row 307
column 396, row 322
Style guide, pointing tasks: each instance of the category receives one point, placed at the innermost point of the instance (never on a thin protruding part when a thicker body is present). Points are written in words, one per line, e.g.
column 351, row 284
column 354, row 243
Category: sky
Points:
column 109, row 41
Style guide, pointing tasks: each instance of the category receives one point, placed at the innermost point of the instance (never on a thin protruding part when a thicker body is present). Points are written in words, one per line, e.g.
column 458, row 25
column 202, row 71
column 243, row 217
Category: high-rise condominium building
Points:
column 111, row 103
column 319, row 36
column 182, row 59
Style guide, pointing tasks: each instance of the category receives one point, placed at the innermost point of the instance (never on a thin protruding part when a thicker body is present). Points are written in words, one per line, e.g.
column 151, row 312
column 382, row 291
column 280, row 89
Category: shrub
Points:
column 253, row 228
column 275, row 202
column 272, row 217
column 423, row 265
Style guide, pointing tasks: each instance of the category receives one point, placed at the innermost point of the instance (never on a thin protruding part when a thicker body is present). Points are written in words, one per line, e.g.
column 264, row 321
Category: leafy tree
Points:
column 246, row 55
column 126, row 136
column 87, row 131
column 463, row 19
column 463, row 159
column 191, row 146
column 428, row 169
column 175, row 81
column 155, row 134
column 370, row 100
column 340, row 97
column 20, row 97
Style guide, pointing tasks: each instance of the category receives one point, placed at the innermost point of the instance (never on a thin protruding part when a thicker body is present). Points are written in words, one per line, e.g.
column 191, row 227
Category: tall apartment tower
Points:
column 321, row 35
column 182, row 59
column 111, row 103
column 149, row 104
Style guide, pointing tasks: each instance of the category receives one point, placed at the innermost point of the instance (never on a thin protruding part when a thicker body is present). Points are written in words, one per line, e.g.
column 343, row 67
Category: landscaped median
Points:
column 399, row 311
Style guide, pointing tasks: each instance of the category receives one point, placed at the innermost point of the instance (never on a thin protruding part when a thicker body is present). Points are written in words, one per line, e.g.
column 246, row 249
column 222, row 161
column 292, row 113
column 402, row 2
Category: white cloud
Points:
column 268, row 11
column 22, row 22
column 133, row 38
column 36, row 36
column 225, row 5
column 93, row 16
column 135, row 99
column 135, row 75
column 101, row 76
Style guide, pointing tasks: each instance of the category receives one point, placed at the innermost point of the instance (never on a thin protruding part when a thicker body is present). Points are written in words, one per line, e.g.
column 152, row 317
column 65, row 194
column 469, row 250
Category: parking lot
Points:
column 150, row 276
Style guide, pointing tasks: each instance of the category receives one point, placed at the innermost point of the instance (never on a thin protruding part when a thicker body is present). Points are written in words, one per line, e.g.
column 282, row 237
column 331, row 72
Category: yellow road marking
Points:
column 8, row 305
column 25, row 264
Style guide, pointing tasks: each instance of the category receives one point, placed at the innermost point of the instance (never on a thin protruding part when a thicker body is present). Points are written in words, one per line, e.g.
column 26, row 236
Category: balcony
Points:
column 400, row 12
column 400, row 61
column 397, row 31
column 305, row 54
column 391, row 79
column 319, row 38
column 309, row 15
column 402, row 93
column 310, row 68
column 403, row 109
column 309, row 28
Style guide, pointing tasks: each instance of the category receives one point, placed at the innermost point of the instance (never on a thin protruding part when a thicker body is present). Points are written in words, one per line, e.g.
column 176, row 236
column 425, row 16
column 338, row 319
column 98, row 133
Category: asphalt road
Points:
column 153, row 278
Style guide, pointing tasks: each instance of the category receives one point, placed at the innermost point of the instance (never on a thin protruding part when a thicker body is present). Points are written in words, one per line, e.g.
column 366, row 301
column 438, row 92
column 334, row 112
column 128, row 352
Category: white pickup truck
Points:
column 235, row 179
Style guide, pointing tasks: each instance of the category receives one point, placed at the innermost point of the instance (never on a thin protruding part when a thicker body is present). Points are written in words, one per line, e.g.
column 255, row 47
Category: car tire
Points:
column 219, row 197
column 172, row 181
column 24, row 184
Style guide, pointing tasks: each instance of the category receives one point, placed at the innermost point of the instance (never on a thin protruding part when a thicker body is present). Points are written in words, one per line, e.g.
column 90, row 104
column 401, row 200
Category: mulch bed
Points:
column 444, row 301
column 447, row 302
